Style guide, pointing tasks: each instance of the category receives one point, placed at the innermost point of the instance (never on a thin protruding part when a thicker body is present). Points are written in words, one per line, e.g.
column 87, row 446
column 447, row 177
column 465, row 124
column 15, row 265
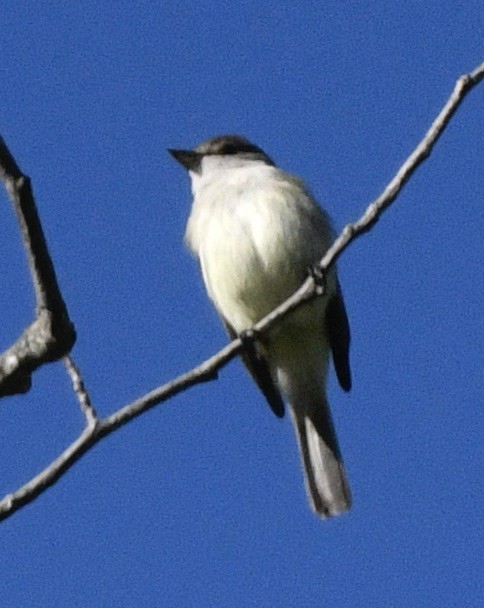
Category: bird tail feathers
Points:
column 326, row 483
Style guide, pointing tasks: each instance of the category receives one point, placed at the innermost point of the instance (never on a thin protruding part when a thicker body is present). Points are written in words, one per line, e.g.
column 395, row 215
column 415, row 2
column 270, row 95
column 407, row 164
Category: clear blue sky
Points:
column 201, row 501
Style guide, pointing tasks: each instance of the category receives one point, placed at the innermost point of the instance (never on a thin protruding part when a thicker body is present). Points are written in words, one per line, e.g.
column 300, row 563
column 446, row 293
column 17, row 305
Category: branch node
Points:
column 320, row 281
column 52, row 334
column 248, row 337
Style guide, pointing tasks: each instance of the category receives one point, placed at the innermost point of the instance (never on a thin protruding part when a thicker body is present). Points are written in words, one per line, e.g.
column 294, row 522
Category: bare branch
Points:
column 376, row 208
column 52, row 334
column 27, row 493
column 80, row 390
column 207, row 370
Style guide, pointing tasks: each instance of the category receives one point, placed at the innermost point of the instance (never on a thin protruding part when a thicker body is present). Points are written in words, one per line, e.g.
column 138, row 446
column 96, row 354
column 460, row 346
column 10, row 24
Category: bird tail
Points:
column 326, row 484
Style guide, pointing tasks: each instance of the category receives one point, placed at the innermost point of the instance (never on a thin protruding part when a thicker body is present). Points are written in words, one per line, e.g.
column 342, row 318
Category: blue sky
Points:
column 200, row 502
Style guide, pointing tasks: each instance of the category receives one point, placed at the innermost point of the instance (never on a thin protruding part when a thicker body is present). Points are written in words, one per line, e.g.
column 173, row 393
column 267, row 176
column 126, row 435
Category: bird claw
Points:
column 319, row 277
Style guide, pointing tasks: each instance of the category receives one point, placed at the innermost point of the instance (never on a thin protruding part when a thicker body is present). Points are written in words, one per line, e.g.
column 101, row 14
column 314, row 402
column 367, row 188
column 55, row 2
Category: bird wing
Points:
column 338, row 330
column 258, row 368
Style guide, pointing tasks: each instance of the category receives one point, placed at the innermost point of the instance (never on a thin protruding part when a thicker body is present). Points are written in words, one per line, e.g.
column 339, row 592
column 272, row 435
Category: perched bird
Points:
column 256, row 231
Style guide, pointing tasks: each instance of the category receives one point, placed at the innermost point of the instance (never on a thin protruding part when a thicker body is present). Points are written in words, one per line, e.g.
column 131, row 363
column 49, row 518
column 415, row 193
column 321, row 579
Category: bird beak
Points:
column 188, row 158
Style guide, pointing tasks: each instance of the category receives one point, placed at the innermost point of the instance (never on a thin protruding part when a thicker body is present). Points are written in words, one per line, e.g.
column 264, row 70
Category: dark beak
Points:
column 188, row 158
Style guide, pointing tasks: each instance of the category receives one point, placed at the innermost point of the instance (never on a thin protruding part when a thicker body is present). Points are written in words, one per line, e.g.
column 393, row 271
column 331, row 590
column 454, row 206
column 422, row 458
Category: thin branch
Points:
column 94, row 433
column 80, row 390
column 375, row 209
column 52, row 334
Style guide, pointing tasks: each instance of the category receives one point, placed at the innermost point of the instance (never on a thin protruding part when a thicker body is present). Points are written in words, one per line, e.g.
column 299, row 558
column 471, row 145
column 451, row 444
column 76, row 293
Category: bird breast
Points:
column 256, row 233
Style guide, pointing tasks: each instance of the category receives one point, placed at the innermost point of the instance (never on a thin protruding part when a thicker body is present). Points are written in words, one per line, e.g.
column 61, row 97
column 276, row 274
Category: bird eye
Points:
column 228, row 149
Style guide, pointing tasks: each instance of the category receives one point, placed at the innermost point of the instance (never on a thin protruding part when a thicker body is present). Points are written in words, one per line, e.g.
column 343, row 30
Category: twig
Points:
column 94, row 433
column 80, row 390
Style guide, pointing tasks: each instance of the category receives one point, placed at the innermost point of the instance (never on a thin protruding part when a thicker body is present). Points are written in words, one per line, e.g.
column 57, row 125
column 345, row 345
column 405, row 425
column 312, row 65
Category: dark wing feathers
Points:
column 257, row 366
column 338, row 330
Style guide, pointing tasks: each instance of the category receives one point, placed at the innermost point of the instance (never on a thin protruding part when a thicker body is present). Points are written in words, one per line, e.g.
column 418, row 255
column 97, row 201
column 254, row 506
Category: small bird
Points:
column 257, row 231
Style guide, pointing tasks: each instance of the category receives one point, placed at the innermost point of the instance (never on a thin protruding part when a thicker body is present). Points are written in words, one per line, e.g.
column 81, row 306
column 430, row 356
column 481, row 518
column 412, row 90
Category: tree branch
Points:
column 80, row 390
column 52, row 334
column 98, row 428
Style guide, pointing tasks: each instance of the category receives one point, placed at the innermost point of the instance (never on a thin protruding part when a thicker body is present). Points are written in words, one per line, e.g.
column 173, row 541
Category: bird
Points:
column 257, row 231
